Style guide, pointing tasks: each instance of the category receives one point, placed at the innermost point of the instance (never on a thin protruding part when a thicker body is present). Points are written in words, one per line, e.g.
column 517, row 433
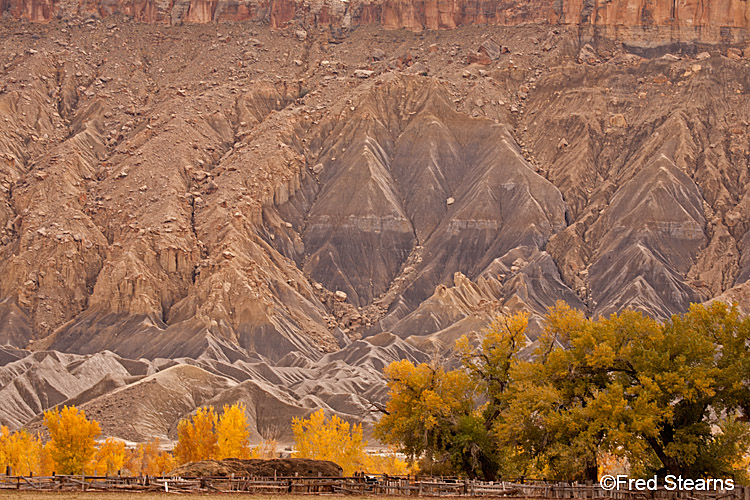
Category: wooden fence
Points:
column 367, row 485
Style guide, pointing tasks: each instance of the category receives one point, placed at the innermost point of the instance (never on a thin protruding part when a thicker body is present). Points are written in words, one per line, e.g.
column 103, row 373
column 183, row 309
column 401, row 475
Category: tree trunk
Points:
column 671, row 464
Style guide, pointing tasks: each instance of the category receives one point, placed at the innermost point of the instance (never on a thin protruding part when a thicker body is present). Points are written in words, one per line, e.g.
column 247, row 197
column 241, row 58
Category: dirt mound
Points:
column 282, row 467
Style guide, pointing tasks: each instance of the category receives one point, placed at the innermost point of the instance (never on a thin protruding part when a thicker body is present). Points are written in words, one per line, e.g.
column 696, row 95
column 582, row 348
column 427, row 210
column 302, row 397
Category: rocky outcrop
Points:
column 693, row 16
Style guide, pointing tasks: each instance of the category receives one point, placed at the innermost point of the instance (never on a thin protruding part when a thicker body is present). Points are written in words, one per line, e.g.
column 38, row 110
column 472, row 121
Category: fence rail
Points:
column 367, row 485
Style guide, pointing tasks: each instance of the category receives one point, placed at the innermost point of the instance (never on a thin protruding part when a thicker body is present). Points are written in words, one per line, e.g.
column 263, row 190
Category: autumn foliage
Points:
column 210, row 436
column 147, row 459
column 196, row 439
column 336, row 440
column 72, row 449
column 232, row 434
column 109, row 457
column 72, row 443
column 621, row 393
column 624, row 394
column 21, row 451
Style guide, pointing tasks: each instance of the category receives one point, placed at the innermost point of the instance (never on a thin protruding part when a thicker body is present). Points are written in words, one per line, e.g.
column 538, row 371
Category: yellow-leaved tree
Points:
column 164, row 463
column 388, row 463
column 21, row 451
column 265, row 450
column 430, row 408
column 331, row 439
column 109, row 457
column 3, row 455
column 133, row 464
column 146, row 459
column 72, row 443
column 46, row 464
column 196, row 439
column 232, row 434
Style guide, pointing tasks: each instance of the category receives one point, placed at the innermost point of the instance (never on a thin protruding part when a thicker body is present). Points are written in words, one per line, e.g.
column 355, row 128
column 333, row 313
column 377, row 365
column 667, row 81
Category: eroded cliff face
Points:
column 292, row 209
column 690, row 18
column 218, row 187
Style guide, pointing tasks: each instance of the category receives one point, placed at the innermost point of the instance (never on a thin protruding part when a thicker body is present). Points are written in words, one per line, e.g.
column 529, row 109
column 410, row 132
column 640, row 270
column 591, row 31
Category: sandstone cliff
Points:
column 690, row 18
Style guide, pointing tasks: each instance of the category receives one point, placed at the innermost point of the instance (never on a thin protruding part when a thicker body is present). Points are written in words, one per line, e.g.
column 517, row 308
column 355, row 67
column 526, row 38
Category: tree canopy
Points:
column 669, row 397
column 331, row 439
column 72, row 443
column 21, row 451
column 109, row 457
column 232, row 434
column 340, row 442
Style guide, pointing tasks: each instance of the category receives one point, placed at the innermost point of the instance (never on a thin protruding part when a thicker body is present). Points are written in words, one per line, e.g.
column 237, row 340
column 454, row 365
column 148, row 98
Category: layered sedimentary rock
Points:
column 276, row 214
column 409, row 14
column 138, row 400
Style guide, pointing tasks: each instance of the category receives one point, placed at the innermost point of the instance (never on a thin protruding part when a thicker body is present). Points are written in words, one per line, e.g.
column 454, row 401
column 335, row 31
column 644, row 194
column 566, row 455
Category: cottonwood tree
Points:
column 490, row 366
column 331, row 439
column 232, row 433
column 448, row 416
column 147, row 459
column 163, row 464
column 110, row 457
column 667, row 397
column 387, row 463
column 72, row 443
column 210, row 436
column 670, row 397
column 21, row 451
column 429, row 407
column 196, row 439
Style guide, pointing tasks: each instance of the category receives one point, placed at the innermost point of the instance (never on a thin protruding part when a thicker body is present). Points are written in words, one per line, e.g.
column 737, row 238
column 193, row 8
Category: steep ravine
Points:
column 291, row 209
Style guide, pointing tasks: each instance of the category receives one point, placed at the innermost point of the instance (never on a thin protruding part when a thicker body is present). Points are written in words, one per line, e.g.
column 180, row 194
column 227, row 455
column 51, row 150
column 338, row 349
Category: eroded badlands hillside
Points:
column 206, row 213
